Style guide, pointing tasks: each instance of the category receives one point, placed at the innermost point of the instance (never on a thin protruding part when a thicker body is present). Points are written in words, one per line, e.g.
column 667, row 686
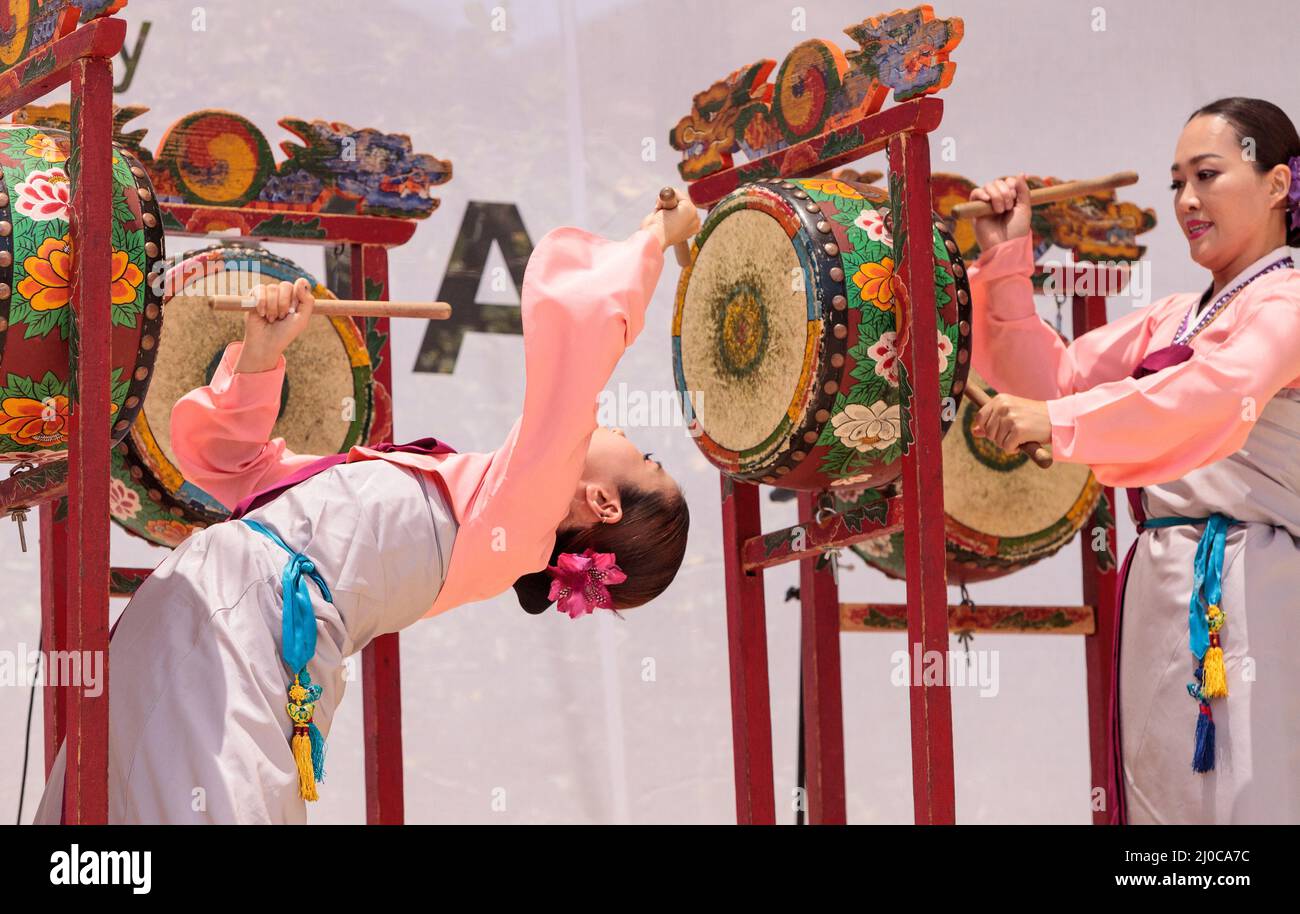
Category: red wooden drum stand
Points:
column 823, row 110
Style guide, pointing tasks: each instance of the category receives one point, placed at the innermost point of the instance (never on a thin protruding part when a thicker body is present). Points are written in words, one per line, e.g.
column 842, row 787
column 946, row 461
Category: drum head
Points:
column 325, row 401
column 748, row 325
column 1007, row 496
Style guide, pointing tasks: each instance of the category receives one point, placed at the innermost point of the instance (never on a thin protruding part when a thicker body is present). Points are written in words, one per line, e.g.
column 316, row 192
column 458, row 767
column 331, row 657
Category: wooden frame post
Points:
column 924, row 544
column 381, row 659
column 819, row 641
column 751, row 703
column 85, row 785
column 1099, row 592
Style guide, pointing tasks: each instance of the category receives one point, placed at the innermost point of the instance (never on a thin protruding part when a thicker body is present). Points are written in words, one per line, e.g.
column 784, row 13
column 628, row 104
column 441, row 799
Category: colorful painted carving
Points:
column 817, row 88
column 29, row 26
column 219, row 158
column 731, row 114
column 1061, row 620
column 1096, row 227
column 907, row 50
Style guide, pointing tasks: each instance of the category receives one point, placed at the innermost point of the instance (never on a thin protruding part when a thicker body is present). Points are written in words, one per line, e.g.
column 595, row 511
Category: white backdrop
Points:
column 510, row 718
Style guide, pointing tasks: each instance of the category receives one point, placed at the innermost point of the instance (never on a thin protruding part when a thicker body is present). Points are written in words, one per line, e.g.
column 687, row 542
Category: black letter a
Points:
column 483, row 224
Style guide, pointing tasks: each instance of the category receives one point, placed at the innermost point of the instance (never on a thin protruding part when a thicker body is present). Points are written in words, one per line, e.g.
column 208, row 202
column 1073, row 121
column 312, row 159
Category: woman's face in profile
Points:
column 613, row 460
column 1223, row 203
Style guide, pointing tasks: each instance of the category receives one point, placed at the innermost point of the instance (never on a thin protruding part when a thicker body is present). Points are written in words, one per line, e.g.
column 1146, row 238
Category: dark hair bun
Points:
column 649, row 543
column 533, row 590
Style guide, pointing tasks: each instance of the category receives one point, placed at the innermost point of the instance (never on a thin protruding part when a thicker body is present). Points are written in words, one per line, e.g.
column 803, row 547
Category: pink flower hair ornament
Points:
column 579, row 581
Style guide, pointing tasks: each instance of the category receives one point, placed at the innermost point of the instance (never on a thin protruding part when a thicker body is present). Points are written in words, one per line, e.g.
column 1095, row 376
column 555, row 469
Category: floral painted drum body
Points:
column 36, row 319
column 786, row 346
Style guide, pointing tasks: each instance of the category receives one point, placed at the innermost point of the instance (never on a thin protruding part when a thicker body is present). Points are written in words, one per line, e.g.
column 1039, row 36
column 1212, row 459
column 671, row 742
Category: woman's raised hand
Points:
column 282, row 312
column 1009, row 198
column 676, row 224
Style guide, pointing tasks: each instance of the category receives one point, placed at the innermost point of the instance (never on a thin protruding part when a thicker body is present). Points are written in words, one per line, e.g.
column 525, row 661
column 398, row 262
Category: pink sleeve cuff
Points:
column 1011, row 258
column 1061, row 414
column 245, row 386
column 650, row 255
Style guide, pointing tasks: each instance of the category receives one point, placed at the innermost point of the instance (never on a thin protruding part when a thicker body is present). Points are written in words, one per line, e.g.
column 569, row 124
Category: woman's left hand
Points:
column 673, row 225
column 1010, row 421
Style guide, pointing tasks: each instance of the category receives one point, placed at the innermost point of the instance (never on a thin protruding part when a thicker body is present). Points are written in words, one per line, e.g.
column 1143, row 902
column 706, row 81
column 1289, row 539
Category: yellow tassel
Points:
column 302, row 756
column 1216, row 680
column 300, row 711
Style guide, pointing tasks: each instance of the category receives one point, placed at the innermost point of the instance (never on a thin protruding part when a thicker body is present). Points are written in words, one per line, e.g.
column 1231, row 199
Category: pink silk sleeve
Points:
column 582, row 304
column 1136, row 432
column 1019, row 353
column 220, row 432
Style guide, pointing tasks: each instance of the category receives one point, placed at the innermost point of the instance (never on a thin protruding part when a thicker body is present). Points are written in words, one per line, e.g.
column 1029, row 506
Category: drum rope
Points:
column 19, row 513
column 966, row 635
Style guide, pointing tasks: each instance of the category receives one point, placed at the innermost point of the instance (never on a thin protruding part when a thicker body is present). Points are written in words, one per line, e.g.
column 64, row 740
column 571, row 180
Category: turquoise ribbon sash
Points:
column 299, row 624
column 1207, row 585
column 298, row 639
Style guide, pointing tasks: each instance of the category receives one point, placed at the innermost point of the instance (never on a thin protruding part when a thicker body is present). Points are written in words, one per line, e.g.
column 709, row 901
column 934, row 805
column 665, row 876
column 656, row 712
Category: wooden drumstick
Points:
column 668, row 200
column 1037, row 453
column 330, row 307
column 1039, row 195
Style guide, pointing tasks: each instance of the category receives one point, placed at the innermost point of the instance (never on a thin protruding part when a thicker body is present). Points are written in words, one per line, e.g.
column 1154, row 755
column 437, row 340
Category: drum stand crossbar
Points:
column 919, row 510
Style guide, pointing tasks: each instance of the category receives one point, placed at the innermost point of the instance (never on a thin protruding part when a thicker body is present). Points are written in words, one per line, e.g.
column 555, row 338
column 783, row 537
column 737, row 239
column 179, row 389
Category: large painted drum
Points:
column 1003, row 512
column 326, row 404
column 36, row 320
column 786, row 335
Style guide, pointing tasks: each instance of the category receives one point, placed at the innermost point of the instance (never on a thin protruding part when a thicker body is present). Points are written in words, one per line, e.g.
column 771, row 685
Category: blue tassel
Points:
column 1203, row 757
column 317, row 752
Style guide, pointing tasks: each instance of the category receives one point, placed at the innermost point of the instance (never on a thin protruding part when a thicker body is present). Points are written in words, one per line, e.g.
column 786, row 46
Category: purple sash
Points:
column 1156, row 361
column 257, row 499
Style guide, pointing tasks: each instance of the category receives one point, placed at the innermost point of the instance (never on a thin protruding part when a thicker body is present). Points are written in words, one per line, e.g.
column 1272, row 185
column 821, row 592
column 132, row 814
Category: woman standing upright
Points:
column 1193, row 404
